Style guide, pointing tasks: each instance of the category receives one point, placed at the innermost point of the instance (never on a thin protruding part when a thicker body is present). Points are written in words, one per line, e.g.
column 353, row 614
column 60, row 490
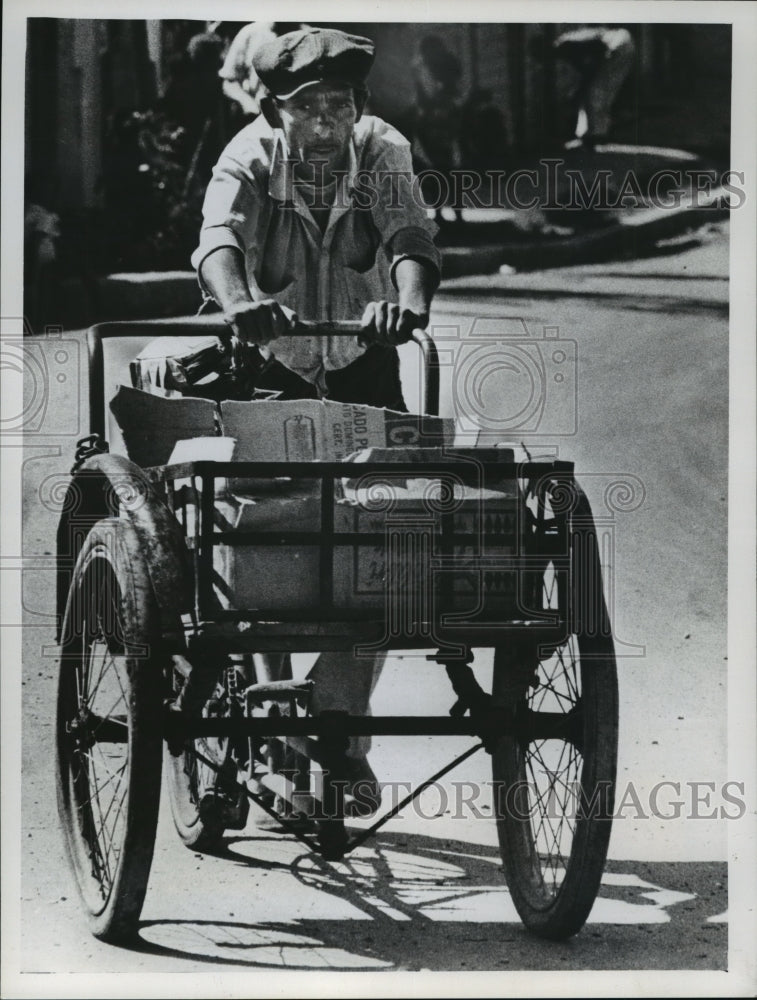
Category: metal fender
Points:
column 111, row 486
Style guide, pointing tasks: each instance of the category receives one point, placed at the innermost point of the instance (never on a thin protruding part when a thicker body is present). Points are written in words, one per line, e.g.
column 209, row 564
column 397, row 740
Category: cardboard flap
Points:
column 152, row 425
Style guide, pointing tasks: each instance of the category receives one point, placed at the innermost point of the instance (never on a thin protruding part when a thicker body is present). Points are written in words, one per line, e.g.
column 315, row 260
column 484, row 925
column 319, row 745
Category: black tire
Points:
column 108, row 728
column 554, row 796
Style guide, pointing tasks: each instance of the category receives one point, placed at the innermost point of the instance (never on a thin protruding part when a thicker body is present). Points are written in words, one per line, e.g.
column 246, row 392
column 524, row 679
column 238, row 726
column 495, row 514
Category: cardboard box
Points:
column 306, row 430
column 408, row 576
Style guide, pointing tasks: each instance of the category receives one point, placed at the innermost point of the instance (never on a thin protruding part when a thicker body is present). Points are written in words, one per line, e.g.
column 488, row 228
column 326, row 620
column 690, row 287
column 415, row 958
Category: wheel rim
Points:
column 97, row 732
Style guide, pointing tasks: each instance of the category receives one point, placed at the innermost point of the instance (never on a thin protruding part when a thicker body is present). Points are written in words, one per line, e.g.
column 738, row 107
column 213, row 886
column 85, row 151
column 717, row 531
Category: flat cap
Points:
column 311, row 55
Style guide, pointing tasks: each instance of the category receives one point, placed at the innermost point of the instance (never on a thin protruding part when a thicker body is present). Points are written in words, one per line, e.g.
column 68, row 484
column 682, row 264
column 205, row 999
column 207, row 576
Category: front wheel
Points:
column 554, row 777
column 108, row 728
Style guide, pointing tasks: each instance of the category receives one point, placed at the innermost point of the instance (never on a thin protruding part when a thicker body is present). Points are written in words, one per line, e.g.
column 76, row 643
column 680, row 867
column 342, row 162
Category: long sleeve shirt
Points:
column 255, row 204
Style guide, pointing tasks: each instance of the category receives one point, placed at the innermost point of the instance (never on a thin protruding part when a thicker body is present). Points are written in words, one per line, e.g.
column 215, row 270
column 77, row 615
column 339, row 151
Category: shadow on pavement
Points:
column 419, row 903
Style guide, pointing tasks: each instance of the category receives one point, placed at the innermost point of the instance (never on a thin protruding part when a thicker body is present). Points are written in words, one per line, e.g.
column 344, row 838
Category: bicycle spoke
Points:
column 113, row 845
column 97, row 644
column 552, row 834
column 94, row 840
column 114, row 776
column 111, row 669
column 118, row 677
column 540, row 833
column 108, row 716
column 98, row 834
column 101, row 808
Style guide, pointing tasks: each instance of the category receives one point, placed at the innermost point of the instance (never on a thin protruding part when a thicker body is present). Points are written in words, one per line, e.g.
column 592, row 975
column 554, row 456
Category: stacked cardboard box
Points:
column 416, row 567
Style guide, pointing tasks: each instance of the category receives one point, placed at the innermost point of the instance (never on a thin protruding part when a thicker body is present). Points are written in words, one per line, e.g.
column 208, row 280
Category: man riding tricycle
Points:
column 187, row 580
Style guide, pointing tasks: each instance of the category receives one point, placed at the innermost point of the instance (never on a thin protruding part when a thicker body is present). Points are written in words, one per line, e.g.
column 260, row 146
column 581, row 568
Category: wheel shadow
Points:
column 411, row 902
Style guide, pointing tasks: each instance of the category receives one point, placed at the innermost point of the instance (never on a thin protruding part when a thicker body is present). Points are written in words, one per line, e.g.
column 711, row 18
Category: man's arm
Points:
column 417, row 281
column 394, row 322
column 253, row 318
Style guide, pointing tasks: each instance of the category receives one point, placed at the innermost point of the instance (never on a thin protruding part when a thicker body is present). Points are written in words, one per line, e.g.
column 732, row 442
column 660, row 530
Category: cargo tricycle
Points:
column 158, row 655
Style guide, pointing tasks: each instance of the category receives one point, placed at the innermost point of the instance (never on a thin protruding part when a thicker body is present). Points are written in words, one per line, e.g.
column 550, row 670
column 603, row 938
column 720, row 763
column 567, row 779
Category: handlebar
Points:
column 332, row 328
column 147, row 329
column 326, row 328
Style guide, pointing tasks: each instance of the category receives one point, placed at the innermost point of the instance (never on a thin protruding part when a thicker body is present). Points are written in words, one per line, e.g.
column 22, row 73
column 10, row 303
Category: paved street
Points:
column 645, row 405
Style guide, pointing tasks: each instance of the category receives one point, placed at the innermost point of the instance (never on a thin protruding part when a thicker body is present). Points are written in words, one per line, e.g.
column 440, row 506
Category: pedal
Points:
column 231, row 810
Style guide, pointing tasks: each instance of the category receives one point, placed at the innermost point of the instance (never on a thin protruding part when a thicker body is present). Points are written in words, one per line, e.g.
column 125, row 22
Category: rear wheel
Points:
column 108, row 728
column 203, row 788
column 554, row 771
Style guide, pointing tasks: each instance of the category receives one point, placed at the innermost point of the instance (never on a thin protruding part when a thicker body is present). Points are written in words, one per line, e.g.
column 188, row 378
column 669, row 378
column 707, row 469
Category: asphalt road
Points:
column 646, row 405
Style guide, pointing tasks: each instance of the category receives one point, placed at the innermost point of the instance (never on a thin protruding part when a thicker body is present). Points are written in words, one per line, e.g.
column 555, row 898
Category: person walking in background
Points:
column 603, row 58
column 192, row 92
column 241, row 83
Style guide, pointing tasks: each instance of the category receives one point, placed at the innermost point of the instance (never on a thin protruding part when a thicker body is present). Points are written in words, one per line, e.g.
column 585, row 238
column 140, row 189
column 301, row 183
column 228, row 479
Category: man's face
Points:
column 317, row 124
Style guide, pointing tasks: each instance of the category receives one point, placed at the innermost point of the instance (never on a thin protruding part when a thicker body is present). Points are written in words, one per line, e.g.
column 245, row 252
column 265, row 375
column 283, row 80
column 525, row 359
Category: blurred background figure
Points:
column 483, row 133
column 192, row 92
column 434, row 121
column 158, row 158
column 602, row 58
column 193, row 101
column 240, row 81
